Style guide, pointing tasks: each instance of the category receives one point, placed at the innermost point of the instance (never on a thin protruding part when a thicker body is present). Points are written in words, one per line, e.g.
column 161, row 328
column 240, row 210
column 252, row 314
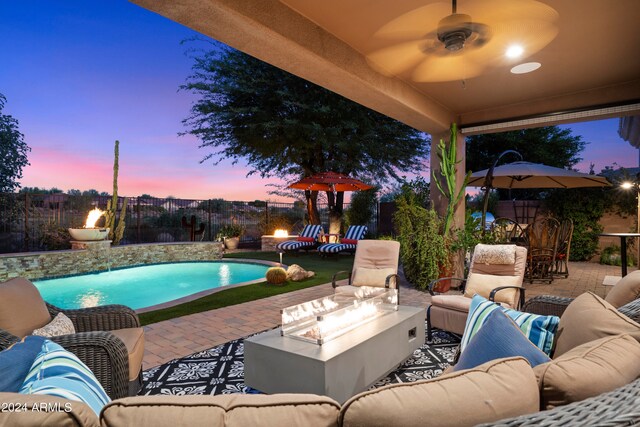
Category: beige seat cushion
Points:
column 43, row 410
column 483, row 284
column 278, row 410
column 22, row 309
column 589, row 318
column 495, row 390
column 133, row 339
column 588, row 370
column 626, row 290
column 371, row 276
column 452, row 302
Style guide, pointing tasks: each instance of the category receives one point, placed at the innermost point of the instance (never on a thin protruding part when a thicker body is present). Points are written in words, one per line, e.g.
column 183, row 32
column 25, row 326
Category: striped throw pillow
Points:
column 539, row 329
column 57, row 372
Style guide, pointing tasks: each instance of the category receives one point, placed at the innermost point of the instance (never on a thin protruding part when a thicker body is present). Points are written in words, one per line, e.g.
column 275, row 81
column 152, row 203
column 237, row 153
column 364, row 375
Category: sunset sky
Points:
column 80, row 74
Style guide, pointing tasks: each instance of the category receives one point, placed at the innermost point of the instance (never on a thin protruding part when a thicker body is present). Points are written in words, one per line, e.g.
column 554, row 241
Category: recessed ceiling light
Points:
column 514, row 51
column 526, row 67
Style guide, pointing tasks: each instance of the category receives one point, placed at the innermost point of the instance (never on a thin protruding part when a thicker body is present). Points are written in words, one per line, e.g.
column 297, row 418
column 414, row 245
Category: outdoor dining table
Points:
column 623, row 247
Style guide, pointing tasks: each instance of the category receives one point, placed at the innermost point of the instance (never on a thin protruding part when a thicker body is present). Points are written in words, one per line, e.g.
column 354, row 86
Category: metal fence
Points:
column 30, row 222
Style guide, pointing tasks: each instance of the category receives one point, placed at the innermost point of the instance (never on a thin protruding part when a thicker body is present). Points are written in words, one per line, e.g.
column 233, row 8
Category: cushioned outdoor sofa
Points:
column 502, row 392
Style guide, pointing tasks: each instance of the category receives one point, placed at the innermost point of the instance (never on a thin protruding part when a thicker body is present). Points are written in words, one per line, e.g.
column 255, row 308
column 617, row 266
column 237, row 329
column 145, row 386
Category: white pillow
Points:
column 371, row 276
column 60, row 325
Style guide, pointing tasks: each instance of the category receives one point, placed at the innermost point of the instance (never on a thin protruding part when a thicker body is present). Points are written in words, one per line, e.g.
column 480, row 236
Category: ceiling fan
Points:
column 458, row 31
column 435, row 43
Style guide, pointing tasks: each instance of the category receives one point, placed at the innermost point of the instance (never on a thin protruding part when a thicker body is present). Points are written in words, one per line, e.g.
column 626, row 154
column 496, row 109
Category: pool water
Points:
column 148, row 285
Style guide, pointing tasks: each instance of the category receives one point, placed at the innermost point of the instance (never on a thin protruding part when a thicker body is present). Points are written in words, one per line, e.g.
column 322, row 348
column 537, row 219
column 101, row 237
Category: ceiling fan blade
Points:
column 447, row 68
column 415, row 23
column 397, row 58
column 492, row 11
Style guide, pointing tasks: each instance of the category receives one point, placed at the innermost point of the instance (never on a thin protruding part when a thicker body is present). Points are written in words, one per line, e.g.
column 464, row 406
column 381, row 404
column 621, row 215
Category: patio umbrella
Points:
column 535, row 175
column 521, row 175
column 330, row 181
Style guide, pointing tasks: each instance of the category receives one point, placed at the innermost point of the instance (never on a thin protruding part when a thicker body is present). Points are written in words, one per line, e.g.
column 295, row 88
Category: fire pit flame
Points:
column 324, row 319
column 309, row 309
column 89, row 232
column 93, row 217
column 347, row 320
column 280, row 233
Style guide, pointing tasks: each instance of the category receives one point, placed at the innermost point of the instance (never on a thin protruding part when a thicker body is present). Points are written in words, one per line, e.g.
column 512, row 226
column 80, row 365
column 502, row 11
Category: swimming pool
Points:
column 149, row 285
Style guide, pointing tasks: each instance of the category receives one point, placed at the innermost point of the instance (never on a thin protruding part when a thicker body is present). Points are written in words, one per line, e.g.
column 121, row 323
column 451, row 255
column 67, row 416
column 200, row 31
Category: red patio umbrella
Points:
column 330, row 181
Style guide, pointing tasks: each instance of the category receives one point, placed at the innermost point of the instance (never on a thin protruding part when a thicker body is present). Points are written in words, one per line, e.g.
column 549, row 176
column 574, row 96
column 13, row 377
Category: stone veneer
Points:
column 35, row 265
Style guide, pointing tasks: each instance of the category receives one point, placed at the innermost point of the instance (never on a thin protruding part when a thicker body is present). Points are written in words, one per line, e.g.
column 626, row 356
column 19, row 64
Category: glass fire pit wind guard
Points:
column 324, row 319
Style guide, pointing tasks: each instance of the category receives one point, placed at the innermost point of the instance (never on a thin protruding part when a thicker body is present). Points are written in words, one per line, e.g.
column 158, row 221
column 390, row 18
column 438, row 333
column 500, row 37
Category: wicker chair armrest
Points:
column 7, row 339
column 101, row 318
column 106, row 356
column 547, row 305
column 615, row 408
column 334, row 279
column 431, row 285
column 494, row 291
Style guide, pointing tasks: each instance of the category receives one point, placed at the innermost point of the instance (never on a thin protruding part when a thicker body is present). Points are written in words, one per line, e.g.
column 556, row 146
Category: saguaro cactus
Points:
column 115, row 232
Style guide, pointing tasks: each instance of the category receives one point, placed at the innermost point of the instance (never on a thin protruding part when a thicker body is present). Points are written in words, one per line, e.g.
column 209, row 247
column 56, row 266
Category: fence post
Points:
column 26, row 222
column 138, row 213
column 209, row 220
column 266, row 217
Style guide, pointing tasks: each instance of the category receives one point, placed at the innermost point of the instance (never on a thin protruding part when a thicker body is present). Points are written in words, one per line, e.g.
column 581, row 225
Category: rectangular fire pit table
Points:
column 339, row 368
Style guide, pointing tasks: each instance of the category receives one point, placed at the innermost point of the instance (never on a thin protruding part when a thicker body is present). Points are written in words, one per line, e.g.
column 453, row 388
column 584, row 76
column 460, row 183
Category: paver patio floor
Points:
column 182, row 336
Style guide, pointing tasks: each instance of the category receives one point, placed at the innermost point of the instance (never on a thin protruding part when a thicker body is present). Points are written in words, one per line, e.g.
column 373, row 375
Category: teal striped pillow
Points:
column 57, row 372
column 539, row 329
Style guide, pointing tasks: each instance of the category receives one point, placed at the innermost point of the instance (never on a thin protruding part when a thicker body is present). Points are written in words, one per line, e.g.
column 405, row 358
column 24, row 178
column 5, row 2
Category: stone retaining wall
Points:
column 34, row 265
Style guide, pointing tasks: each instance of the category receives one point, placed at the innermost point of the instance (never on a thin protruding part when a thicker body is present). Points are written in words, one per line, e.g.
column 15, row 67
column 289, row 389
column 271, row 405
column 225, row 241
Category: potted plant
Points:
column 230, row 235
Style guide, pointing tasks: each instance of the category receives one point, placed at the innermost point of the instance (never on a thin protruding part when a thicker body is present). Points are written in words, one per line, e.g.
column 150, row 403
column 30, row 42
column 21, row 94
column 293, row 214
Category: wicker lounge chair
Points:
column 102, row 339
column 306, row 241
column 347, row 243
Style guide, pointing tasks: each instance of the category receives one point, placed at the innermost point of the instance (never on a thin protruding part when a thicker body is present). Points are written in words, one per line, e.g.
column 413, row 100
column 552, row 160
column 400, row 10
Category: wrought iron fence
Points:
column 30, row 222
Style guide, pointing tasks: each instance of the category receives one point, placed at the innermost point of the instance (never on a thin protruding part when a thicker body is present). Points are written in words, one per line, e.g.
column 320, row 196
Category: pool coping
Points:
column 197, row 295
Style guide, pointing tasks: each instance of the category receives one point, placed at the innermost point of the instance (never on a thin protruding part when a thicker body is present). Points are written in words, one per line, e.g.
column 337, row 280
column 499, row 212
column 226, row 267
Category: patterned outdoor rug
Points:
column 220, row 370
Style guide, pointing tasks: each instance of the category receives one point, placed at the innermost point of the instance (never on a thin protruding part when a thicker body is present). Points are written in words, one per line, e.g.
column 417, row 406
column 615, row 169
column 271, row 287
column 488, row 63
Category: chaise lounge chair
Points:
column 307, row 240
column 347, row 243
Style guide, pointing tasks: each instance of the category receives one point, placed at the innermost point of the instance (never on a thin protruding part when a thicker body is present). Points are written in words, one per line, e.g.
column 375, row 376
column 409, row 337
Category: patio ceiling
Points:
column 588, row 51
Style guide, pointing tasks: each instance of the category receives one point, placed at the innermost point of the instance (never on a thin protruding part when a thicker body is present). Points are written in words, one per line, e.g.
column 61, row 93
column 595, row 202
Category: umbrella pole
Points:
column 488, row 181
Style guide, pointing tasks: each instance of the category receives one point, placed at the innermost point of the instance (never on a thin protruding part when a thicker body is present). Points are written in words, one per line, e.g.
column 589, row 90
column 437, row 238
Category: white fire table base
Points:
column 340, row 368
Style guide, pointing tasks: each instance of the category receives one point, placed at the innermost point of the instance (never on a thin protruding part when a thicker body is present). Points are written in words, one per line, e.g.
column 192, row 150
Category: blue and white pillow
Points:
column 498, row 338
column 16, row 361
column 57, row 372
column 539, row 329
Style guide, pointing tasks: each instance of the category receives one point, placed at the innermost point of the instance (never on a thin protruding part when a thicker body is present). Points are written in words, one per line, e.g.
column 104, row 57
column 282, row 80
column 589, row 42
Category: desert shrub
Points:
column 54, row 237
column 423, row 250
column 611, row 256
column 361, row 208
column 585, row 206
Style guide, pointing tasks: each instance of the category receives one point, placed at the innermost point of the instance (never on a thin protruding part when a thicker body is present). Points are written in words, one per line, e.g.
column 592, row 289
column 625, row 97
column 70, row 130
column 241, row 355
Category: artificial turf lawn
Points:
column 323, row 267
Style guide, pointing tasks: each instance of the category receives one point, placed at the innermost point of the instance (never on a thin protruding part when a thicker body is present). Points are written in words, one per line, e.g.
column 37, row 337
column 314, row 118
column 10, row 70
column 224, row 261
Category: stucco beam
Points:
column 270, row 31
